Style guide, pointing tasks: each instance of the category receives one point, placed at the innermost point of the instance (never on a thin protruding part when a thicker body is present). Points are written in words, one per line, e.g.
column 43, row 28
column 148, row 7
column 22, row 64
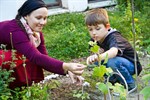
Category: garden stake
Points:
column 134, row 40
column 123, row 80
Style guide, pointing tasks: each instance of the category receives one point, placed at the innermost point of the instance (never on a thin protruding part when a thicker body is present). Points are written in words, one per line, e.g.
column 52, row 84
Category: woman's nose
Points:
column 42, row 21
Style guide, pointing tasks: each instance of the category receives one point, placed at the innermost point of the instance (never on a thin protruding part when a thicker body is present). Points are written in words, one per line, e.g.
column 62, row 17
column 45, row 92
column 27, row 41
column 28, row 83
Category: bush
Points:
column 139, row 4
column 5, row 79
column 122, row 20
column 66, row 36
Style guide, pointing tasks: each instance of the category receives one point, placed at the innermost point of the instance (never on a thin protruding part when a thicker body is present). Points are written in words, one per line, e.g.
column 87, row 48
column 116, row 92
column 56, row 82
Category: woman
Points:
column 27, row 39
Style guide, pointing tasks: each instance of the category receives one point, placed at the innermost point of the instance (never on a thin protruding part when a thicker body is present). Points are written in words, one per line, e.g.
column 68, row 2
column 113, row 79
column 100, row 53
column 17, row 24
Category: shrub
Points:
column 66, row 36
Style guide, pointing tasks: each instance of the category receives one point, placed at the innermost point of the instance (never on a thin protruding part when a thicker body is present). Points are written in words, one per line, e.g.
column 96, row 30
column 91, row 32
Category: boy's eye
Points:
column 98, row 28
column 90, row 29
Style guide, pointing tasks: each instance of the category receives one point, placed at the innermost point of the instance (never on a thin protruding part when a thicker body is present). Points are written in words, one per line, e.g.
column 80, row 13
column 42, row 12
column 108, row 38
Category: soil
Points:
column 64, row 91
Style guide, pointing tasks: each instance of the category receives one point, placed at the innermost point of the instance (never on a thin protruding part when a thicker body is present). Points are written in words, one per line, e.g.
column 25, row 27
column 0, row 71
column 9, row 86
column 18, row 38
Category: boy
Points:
column 120, row 52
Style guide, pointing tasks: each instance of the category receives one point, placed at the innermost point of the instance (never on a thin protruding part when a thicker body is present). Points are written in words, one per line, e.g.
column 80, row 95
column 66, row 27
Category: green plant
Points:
column 81, row 95
column 121, row 19
column 35, row 92
column 5, row 78
column 139, row 4
column 146, row 78
column 99, row 72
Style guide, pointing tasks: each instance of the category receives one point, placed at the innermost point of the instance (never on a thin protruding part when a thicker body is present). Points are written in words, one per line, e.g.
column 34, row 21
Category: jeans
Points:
column 125, row 67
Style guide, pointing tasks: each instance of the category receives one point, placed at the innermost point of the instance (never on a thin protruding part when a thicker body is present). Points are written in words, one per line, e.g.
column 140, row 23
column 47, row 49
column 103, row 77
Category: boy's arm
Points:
column 112, row 52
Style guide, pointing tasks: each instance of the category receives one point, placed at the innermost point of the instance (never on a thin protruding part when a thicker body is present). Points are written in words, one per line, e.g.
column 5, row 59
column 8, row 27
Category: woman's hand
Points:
column 75, row 68
column 76, row 79
column 91, row 59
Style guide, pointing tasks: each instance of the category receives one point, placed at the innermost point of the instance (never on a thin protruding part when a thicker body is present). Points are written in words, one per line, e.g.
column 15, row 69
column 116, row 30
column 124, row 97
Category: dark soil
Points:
column 64, row 90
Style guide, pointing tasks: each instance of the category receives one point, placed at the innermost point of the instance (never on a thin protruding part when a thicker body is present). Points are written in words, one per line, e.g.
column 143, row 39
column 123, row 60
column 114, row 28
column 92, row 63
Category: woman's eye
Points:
column 45, row 18
column 38, row 18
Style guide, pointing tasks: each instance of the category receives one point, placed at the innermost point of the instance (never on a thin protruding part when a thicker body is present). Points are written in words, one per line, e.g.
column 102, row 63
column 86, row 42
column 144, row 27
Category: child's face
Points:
column 98, row 32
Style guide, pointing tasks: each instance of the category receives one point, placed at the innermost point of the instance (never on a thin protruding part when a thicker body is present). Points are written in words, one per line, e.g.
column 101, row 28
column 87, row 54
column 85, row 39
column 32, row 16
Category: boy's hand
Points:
column 91, row 59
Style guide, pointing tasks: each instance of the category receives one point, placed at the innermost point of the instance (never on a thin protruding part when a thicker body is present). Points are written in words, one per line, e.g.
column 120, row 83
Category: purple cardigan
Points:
column 21, row 43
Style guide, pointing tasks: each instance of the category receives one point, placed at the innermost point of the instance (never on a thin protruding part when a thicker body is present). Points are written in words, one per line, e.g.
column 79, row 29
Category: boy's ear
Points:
column 108, row 26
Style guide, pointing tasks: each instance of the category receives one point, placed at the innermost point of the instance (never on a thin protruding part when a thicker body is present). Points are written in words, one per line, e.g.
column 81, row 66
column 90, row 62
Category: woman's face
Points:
column 37, row 19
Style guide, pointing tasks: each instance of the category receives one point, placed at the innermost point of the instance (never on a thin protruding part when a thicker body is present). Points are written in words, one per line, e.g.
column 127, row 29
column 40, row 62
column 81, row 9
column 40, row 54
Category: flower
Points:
column 136, row 19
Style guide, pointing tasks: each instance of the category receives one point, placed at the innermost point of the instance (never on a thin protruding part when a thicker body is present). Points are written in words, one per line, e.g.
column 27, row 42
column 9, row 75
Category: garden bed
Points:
column 65, row 89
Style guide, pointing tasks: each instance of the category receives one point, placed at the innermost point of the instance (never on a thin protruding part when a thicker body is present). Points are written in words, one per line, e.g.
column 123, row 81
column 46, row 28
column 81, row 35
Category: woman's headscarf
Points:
column 29, row 6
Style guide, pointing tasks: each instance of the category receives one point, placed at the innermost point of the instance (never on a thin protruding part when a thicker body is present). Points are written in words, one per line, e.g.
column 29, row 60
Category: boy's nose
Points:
column 93, row 32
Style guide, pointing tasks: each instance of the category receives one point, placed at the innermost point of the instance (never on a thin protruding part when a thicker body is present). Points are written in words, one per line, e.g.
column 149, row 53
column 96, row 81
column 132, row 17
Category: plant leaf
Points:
column 94, row 49
column 146, row 77
column 102, row 87
column 145, row 92
column 99, row 71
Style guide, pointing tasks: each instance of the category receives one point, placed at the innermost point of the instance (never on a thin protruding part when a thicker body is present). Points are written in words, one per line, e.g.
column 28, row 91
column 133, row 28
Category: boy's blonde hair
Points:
column 97, row 16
